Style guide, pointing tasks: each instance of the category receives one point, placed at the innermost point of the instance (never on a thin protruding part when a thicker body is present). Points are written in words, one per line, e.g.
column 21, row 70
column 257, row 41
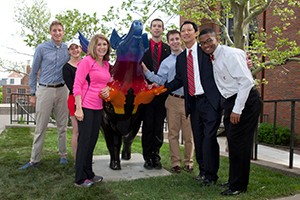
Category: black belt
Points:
column 198, row 96
column 176, row 95
column 53, row 86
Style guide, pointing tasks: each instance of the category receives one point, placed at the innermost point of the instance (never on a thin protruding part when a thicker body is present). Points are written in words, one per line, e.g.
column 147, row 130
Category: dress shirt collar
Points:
column 217, row 52
column 193, row 48
column 54, row 44
column 172, row 53
column 152, row 43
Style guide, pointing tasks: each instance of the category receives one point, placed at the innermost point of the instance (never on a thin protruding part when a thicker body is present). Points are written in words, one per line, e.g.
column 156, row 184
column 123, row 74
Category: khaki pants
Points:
column 177, row 121
column 47, row 100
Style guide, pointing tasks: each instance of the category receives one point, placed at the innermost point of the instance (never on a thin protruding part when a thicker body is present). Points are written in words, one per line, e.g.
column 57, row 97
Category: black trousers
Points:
column 240, row 139
column 205, row 121
column 154, row 115
column 87, row 139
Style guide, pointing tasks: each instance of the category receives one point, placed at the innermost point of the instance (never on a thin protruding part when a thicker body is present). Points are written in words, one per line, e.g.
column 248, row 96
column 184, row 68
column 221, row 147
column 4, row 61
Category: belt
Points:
column 176, row 95
column 198, row 96
column 53, row 86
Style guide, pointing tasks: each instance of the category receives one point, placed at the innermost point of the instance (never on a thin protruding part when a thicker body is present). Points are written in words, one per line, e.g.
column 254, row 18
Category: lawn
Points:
column 53, row 181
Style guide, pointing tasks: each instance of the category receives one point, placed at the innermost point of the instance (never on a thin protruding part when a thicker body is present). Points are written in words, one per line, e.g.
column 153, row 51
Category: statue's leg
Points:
column 112, row 144
column 128, row 139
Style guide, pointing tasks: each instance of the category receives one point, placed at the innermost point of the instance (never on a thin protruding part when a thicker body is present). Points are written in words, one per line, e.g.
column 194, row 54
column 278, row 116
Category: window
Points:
column 8, row 90
column 21, row 91
column 11, row 81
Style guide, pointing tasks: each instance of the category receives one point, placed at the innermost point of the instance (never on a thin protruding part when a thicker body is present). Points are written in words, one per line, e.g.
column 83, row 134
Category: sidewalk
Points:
column 267, row 156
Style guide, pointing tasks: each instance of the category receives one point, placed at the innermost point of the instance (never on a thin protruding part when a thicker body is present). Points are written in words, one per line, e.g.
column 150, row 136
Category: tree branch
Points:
column 257, row 11
column 222, row 25
column 295, row 58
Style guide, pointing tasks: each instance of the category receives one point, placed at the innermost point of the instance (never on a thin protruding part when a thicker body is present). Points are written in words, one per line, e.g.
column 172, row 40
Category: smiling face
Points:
column 101, row 48
column 174, row 42
column 156, row 29
column 57, row 33
column 75, row 51
column 188, row 35
column 208, row 42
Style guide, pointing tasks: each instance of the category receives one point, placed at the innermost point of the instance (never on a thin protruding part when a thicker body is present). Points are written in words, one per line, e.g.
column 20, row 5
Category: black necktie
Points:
column 155, row 57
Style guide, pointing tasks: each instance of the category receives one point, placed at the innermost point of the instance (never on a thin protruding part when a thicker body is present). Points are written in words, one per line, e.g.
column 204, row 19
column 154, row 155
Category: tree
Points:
column 244, row 14
column 34, row 20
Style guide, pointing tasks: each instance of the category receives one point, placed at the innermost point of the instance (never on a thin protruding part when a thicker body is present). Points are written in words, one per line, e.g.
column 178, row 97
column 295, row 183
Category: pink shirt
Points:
column 99, row 76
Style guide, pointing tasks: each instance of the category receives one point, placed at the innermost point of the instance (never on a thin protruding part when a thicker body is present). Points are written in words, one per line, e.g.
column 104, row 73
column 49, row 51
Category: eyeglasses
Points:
column 208, row 41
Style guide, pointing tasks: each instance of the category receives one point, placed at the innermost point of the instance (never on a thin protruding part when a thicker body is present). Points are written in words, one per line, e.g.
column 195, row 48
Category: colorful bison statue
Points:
column 129, row 91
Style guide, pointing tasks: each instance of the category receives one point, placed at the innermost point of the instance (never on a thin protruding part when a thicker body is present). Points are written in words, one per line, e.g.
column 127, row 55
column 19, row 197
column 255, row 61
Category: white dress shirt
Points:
column 232, row 75
column 198, row 87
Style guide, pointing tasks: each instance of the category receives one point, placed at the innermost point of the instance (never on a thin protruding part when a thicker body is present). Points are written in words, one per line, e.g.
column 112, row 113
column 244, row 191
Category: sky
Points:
column 10, row 32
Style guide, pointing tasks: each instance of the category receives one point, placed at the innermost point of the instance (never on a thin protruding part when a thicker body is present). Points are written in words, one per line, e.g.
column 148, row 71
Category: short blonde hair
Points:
column 93, row 44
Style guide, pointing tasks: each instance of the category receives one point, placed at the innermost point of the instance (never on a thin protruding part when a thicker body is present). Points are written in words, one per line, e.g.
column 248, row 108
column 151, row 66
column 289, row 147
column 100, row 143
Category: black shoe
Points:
column 230, row 192
column 148, row 164
column 176, row 169
column 225, row 185
column 156, row 164
column 207, row 182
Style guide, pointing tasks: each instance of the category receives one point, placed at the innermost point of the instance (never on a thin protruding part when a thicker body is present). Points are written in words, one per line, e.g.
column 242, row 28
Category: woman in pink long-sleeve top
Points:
column 89, row 107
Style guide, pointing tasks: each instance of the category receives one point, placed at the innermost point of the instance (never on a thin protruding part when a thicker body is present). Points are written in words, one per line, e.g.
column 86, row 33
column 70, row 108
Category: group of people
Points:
column 63, row 84
column 204, row 80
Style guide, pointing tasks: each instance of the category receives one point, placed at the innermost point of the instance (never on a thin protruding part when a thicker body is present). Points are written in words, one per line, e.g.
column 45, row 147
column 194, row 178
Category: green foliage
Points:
column 75, row 21
column 35, row 21
column 245, row 15
column 266, row 134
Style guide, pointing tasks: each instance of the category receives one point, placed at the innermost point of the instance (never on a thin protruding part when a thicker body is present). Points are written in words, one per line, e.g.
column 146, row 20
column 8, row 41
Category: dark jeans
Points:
column 87, row 139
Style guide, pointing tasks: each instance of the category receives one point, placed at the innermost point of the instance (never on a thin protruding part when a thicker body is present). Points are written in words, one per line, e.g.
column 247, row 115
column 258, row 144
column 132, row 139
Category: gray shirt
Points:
column 49, row 59
column 166, row 72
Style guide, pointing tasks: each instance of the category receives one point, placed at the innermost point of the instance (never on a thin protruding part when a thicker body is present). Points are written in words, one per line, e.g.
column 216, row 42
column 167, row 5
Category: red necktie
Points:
column 212, row 57
column 190, row 74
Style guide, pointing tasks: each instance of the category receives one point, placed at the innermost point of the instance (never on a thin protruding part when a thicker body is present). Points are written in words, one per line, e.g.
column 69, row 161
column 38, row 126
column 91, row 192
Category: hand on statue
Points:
column 105, row 92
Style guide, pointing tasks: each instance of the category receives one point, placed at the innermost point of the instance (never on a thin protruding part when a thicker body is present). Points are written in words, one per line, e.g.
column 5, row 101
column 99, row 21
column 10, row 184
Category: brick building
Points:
column 16, row 83
column 283, row 81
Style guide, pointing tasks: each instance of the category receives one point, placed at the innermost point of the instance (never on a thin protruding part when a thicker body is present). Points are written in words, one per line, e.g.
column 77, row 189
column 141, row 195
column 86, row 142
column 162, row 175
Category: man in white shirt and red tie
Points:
column 202, row 102
column 242, row 105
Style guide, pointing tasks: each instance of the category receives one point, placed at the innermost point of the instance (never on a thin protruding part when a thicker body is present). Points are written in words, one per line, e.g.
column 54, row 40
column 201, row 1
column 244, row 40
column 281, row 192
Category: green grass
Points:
column 53, row 181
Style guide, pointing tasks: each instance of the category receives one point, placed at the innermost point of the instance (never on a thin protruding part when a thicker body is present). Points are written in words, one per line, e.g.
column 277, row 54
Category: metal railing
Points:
column 21, row 110
column 275, row 122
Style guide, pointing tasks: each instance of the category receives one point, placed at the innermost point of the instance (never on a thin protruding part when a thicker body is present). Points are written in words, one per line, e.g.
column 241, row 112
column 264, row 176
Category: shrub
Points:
column 265, row 134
